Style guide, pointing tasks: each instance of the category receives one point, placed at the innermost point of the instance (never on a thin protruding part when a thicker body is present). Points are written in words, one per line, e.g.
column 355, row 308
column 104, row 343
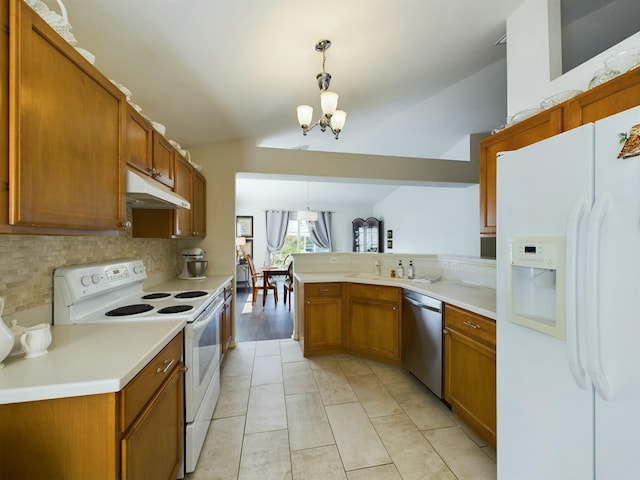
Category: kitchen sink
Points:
column 370, row 276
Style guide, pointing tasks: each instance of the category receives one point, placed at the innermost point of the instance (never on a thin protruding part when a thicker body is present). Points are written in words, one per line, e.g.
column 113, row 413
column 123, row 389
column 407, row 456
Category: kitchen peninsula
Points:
column 354, row 303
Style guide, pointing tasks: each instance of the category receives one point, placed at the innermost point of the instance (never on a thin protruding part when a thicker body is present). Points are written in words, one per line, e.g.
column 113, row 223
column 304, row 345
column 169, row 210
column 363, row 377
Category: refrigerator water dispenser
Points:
column 536, row 284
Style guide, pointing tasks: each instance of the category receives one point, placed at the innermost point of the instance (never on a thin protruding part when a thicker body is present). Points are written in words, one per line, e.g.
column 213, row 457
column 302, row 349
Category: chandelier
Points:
column 331, row 118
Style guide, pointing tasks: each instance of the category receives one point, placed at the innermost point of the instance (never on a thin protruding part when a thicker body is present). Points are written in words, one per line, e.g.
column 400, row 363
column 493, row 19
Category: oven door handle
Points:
column 207, row 317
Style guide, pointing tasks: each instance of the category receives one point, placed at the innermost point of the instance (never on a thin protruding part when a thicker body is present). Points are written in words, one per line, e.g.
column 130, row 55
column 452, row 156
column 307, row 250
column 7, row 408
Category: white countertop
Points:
column 477, row 299
column 85, row 360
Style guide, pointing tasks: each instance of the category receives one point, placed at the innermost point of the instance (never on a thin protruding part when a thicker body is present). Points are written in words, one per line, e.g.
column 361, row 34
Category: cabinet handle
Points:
column 445, row 331
column 324, row 290
column 394, row 308
column 167, row 365
column 470, row 324
column 126, row 225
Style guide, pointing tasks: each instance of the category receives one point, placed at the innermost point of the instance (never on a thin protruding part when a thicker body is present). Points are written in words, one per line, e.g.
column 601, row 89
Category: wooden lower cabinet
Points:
column 470, row 370
column 373, row 325
column 322, row 325
column 226, row 320
column 136, row 433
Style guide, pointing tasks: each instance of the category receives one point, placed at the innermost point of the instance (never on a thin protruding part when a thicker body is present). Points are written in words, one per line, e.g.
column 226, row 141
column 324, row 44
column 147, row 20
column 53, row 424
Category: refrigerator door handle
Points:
column 571, row 294
column 594, row 359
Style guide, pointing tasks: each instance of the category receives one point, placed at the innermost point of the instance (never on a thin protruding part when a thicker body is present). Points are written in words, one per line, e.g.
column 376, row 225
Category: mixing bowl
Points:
column 197, row 267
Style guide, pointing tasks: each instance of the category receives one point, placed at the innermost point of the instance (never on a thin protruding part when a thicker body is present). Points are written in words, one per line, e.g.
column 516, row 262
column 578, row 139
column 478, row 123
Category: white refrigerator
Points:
column 568, row 393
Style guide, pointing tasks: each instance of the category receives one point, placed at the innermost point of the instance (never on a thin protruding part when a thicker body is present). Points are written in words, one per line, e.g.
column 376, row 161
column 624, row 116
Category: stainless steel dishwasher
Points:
column 422, row 338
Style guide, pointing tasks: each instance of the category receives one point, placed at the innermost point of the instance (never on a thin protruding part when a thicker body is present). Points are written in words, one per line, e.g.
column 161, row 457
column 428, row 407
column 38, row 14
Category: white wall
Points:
column 441, row 220
column 534, row 56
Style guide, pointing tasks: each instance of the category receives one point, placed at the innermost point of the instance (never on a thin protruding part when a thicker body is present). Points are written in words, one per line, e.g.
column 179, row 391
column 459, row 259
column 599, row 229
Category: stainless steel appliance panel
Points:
column 422, row 338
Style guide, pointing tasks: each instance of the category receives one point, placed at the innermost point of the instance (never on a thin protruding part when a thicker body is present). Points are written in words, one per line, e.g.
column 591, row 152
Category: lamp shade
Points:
column 338, row 119
column 305, row 113
column 328, row 102
column 308, row 215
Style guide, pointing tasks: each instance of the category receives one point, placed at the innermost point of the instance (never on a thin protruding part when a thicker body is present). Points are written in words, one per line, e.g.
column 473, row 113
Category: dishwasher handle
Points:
column 421, row 305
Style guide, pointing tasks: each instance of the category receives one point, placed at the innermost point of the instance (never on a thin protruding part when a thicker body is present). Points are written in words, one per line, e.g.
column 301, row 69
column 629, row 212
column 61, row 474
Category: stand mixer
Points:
column 193, row 264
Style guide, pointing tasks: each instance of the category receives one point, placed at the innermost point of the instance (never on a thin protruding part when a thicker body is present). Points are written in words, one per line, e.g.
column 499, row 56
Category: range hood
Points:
column 142, row 192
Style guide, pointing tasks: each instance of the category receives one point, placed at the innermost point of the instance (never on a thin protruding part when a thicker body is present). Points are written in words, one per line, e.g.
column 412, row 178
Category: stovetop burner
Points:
column 175, row 309
column 156, row 296
column 191, row 294
column 129, row 310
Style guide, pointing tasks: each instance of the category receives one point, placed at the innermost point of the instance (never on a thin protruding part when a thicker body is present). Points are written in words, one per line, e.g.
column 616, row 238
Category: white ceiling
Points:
column 415, row 76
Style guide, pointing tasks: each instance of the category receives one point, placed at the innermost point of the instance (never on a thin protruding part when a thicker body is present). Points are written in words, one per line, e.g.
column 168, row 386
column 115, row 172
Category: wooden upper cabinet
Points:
column 199, row 205
column 65, row 118
column 614, row 96
column 163, row 160
column 183, row 186
column 543, row 125
column 138, row 138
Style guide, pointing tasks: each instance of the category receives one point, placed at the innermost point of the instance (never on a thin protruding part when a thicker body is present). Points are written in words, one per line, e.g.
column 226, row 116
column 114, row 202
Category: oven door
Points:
column 202, row 356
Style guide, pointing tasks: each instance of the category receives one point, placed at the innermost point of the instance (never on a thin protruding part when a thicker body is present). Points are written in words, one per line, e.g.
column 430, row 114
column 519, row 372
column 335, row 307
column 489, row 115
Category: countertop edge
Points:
column 87, row 383
column 476, row 299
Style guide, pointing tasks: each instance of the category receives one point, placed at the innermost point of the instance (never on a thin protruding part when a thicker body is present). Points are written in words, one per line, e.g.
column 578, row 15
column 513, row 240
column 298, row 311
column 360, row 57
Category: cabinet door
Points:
column 152, row 448
column 614, row 96
column 65, row 155
column 163, row 158
column 198, row 206
column 374, row 328
column 470, row 382
column 183, row 186
column 541, row 126
column 323, row 323
column 138, row 138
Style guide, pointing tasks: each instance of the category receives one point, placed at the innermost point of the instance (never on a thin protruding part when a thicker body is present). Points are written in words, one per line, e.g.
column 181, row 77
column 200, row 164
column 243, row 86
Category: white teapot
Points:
column 6, row 336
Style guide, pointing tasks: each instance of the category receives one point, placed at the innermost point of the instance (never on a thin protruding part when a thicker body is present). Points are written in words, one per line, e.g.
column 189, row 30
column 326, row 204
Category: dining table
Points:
column 270, row 271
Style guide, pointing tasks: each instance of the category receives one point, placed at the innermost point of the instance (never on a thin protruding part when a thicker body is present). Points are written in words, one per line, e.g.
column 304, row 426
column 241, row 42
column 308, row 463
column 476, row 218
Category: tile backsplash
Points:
column 27, row 262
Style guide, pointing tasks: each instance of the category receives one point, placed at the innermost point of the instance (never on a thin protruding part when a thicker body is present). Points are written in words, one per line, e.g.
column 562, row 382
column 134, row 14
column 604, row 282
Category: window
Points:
column 297, row 240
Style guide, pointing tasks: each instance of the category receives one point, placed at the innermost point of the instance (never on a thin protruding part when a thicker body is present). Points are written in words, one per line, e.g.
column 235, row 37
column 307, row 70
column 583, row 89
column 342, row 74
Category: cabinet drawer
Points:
column 323, row 290
column 374, row 292
column 140, row 390
column 470, row 324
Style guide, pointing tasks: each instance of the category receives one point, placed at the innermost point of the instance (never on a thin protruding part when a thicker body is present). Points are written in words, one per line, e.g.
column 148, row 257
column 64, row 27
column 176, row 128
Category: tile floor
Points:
column 281, row 416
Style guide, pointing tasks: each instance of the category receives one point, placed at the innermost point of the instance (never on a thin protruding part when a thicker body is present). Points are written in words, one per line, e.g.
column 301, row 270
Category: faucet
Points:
column 376, row 264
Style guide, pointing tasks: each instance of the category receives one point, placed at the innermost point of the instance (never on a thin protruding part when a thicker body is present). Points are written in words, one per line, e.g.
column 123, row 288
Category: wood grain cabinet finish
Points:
column 138, row 138
column 226, row 320
column 104, row 436
column 199, row 205
column 470, row 370
column 176, row 223
column 373, row 321
column 163, row 158
column 183, row 186
column 65, row 150
column 531, row 130
column 322, row 325
column 614, row 96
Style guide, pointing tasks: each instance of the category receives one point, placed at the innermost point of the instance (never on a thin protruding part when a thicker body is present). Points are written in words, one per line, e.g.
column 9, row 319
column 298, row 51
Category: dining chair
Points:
column 259, row 284
column 288, row 284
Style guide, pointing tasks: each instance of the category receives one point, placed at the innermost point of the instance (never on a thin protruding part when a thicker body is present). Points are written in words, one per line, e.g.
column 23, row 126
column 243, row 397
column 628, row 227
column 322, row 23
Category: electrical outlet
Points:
column 333, row 260
column 454, row 266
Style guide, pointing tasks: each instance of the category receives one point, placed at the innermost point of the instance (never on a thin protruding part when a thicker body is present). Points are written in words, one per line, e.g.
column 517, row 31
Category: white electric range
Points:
column 112, row 292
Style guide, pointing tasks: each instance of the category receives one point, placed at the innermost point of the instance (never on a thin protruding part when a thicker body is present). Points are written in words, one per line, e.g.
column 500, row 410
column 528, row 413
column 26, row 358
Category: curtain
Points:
column 276, row 223
column 321, row 232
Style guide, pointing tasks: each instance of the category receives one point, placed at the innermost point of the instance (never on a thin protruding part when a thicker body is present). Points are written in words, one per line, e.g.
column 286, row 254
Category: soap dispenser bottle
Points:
column 410, row 273
column 400, row 270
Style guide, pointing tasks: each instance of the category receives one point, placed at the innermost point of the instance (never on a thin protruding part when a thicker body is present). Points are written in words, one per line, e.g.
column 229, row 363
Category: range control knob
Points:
column 85, row 280
column 138, row 269
column 95, row 278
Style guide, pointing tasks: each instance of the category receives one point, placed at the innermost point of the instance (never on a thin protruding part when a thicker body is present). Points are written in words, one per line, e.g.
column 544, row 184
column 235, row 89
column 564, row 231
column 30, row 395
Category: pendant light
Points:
column 308, row 215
